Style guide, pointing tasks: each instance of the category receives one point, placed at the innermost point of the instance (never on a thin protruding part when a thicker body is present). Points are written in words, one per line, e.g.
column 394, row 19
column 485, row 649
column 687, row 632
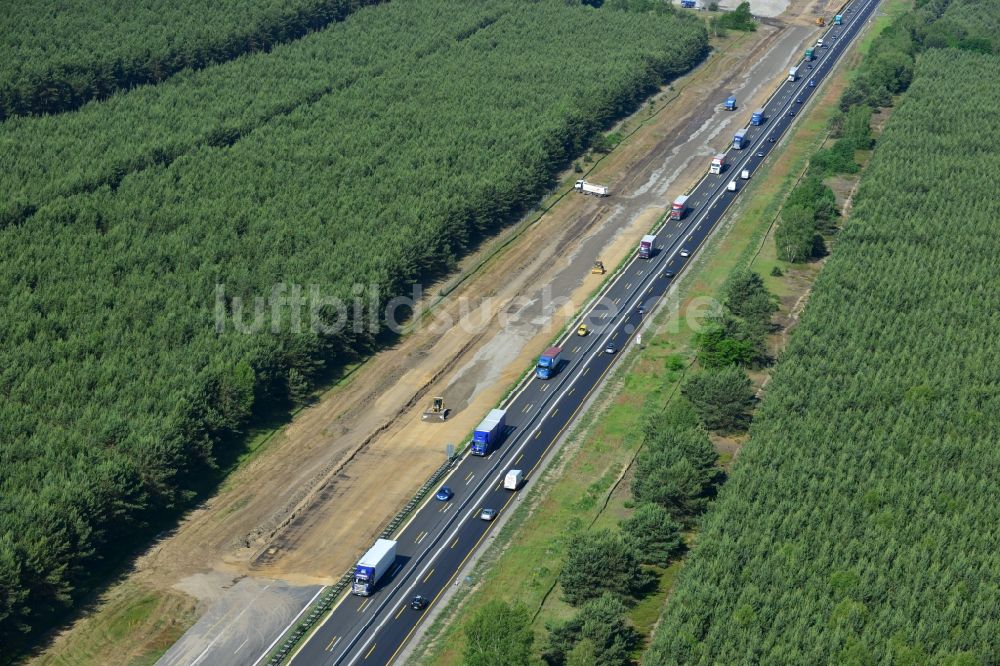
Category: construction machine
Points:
column 436, row 411
column 598, row 268
column 820, row 21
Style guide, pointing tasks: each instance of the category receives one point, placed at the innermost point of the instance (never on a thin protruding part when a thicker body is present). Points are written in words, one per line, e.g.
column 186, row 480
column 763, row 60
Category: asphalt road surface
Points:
column 439, row 539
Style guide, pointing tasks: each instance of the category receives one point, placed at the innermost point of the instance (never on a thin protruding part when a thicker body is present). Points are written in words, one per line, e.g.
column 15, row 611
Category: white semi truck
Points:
column 591, row 188
column 718, row 164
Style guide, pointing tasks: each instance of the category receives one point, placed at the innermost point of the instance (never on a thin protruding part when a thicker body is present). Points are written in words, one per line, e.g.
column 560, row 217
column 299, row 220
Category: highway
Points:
column 441, row 536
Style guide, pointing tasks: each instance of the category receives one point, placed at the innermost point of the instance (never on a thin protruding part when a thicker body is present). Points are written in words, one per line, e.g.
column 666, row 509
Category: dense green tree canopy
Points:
column 138, row 235
column 59, row 54
column 860, row 524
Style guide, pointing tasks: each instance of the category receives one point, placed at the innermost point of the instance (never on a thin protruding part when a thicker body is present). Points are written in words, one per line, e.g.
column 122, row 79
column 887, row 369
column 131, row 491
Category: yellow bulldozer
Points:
column 820, row 21
column 436, row 411
column 598, row 268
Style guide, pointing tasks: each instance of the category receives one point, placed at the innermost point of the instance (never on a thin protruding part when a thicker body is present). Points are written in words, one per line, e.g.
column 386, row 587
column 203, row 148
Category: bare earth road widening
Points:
column 315, row 498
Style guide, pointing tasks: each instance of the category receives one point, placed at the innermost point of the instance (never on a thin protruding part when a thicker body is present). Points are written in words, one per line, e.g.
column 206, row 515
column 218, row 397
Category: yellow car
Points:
column 582, row 330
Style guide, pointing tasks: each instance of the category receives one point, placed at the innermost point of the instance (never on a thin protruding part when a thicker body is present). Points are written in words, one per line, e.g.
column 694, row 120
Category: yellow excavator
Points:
column 820, row 21
column 598, row 268
column 436, row 411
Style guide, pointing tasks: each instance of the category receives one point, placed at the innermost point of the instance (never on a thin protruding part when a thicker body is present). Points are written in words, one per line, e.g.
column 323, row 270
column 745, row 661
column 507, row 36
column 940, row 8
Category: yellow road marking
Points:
column 401, row 609
column 370, row 651
column 454, row 542
column 420, row 537
column 429, row 574
column 329, row 646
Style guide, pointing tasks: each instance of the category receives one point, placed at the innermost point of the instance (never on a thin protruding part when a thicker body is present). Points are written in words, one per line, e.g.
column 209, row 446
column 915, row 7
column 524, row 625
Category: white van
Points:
column 513, row 480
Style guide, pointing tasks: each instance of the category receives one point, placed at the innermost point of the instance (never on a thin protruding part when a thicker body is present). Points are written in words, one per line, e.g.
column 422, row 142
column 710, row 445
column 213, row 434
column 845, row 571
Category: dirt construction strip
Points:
column 307, row 506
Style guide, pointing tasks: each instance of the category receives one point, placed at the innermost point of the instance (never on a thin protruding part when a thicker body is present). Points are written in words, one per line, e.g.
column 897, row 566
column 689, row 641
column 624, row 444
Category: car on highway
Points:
column 760, row 153
column 610, row 348
column 812, row 83
column 791, row 114
column 487, row 514
column 668, row 274
column 444, row 494
column 771, row 139
column 799, row 100
column 641, row 309
column 685, row 253
column 582, row 330
column 418, row 603
column 809, row 66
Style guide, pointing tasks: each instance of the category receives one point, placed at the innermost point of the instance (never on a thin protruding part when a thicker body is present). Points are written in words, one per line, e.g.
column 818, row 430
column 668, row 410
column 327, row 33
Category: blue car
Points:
column 444, row 494
column 812, row 83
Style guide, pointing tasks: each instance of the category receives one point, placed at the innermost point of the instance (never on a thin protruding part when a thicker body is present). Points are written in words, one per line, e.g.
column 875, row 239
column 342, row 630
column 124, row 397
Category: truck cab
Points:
column 731, row 103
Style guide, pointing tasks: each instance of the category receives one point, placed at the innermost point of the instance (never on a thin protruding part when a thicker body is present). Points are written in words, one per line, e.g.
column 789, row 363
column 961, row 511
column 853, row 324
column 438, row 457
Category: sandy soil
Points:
column 304, row 508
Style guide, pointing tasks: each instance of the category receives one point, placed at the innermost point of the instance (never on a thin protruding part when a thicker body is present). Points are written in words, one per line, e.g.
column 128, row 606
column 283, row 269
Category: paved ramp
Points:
column 241, row 626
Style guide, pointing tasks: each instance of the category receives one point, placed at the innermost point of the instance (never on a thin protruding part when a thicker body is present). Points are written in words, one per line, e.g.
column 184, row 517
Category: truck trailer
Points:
column 757, row 118
column 793, row 74
column 739, row 139
column 731, row 103
column 718, row 164
column 591, row 188
column 548, row 363
column 372, row 566
column 679, row 207
column 489, row 432
column 647, row 246
column 810, row 52
column 688, row 4
column 838, row 19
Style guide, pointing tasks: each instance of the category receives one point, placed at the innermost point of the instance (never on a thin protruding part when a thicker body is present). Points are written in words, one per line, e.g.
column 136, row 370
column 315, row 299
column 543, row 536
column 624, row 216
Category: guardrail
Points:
column 330, row 596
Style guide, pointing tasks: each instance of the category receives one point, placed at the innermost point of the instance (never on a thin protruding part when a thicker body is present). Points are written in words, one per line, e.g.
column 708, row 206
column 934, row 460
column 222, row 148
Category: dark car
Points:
column 799, row 100
column 812, row 83
column 444, row 494
column 791, row 113
column 771, row 139
column 418, row 603
column 760, row 153
column 809, row 66
column 642, row 309
column 668, row 274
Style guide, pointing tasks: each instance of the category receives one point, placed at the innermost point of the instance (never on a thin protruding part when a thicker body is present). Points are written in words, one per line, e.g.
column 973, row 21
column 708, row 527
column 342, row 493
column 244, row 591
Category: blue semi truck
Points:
column 489, row 432
column 757, row 118
column 372, row 566
column 740, row 139
column 731, row 103
column 548, row 363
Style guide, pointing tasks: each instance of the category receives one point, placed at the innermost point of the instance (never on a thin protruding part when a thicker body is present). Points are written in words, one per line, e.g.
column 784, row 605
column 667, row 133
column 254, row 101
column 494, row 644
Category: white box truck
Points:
column 745, row 174
column 372, row 566
column 793, row 74
column 731, row 186
column 513, row 480
column 591, row 188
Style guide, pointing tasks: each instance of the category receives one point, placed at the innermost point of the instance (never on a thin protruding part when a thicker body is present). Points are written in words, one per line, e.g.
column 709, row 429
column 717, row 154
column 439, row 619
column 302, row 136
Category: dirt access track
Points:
column 305, row 507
